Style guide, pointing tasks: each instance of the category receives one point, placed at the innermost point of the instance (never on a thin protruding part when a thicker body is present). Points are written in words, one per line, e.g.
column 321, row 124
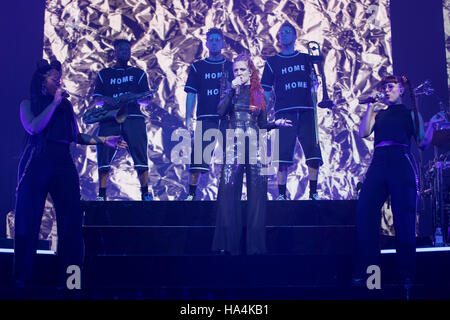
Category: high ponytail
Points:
column 42, row 67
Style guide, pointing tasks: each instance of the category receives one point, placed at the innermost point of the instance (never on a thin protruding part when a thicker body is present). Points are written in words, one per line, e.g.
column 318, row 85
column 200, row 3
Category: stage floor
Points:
column 161, row 251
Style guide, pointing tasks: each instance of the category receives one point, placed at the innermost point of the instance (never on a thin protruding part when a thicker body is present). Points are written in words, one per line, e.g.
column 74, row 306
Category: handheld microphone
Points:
column 241, row 82
column 64, row 93
column 378, row 97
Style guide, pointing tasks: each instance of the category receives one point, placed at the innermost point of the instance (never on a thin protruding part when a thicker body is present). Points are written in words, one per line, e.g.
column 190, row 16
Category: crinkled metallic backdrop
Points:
column 169, row 35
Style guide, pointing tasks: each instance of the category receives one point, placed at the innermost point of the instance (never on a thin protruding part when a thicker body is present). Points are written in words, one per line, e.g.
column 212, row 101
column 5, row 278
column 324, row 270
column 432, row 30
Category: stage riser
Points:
column 250, row 271
column 288, row 276
column 187, row 227
column 203, row 213
column 230, row 271
column 198, row 240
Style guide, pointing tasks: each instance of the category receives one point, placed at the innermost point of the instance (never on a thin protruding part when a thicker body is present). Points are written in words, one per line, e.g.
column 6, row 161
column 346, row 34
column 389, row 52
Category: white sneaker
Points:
column 99, row 198
column 315, row 196
column 281, row 197
column 189, row 198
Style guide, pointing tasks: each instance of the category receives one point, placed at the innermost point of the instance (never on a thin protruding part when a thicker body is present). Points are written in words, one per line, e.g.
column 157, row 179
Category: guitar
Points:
column 115, row 108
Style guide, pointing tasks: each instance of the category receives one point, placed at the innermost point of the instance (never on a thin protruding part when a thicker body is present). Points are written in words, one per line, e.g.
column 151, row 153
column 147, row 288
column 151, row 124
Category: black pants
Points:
column 392, row 172
column 51, row 171
column 134, row 132
column 228, row 234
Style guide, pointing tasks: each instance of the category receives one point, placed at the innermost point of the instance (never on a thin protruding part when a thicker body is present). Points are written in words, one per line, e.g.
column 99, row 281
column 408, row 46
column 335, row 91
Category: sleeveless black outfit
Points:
column 392, row 172
column 46, row 167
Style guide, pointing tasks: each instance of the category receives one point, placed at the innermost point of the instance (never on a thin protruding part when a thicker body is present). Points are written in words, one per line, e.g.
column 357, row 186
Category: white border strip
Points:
column 429, row 249
column 8, row 250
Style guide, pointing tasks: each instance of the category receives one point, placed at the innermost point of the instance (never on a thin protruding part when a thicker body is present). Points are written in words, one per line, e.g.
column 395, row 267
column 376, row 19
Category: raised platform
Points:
column 274, row 277
column 161, row 250
column 187, row 227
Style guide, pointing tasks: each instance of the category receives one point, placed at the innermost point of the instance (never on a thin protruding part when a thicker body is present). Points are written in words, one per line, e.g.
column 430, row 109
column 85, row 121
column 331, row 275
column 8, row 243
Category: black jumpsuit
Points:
column 393, row 172
column 228, row 234
column 46, row 167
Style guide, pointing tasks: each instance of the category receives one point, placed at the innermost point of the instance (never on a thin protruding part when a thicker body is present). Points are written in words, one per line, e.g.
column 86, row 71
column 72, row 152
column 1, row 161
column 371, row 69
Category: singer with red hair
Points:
column 244, row 103
column 393, row 172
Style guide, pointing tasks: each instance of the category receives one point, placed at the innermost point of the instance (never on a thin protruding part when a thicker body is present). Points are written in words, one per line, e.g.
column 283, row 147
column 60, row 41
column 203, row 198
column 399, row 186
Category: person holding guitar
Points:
column 111, row 85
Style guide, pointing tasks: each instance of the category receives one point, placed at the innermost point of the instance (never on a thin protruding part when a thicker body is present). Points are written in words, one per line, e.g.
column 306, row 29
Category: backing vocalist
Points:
column 392, row 172
column 46, row 166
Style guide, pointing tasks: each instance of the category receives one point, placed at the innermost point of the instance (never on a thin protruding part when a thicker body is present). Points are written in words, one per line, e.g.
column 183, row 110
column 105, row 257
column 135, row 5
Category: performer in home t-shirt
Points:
column 204, row 84
column 112, row 83
column 288, row 74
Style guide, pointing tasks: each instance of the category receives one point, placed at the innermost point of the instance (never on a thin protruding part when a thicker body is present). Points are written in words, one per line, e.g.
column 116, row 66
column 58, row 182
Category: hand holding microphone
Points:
column 378, row 97
column 65, row 94
column 238, row 82
column 60, row 94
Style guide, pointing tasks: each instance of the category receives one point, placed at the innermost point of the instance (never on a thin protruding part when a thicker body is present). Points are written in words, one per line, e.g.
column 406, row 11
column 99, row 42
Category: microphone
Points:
column 64, row 93
column 236, row 90
column 378, row 97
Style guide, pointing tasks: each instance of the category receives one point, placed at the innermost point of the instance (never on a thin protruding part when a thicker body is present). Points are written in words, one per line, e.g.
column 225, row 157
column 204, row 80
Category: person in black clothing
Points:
column 288, row 73
column 245, row 104
column 46, row 167
column 204, row 83
column 112, row 83
column 392, row 172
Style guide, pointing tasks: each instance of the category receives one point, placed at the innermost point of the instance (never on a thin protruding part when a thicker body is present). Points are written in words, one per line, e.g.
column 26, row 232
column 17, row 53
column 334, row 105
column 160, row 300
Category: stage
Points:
column 162, row 250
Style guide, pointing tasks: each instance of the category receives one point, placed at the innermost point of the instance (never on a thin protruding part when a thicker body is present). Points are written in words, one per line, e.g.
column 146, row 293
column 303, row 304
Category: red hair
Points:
column 256, row 91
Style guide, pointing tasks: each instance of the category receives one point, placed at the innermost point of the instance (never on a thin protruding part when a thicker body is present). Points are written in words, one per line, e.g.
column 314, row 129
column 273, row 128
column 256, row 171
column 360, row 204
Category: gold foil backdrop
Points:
column 169, row 35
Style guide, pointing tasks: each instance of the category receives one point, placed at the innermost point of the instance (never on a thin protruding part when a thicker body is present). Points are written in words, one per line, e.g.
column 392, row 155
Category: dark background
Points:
column 418, row 48
column 22, row 34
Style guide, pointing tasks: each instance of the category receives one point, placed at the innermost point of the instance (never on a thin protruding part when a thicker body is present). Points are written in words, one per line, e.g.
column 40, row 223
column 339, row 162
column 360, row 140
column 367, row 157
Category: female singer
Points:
column 393, row 172
column 46, row 167
column 245, row 105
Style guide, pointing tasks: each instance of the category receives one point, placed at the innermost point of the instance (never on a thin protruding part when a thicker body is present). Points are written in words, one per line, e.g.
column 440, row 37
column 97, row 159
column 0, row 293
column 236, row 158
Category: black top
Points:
column 115, row 81
column 394, row 124
column 61, row 126
column 204, row 79
column 237, row 106
column 290, row 76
